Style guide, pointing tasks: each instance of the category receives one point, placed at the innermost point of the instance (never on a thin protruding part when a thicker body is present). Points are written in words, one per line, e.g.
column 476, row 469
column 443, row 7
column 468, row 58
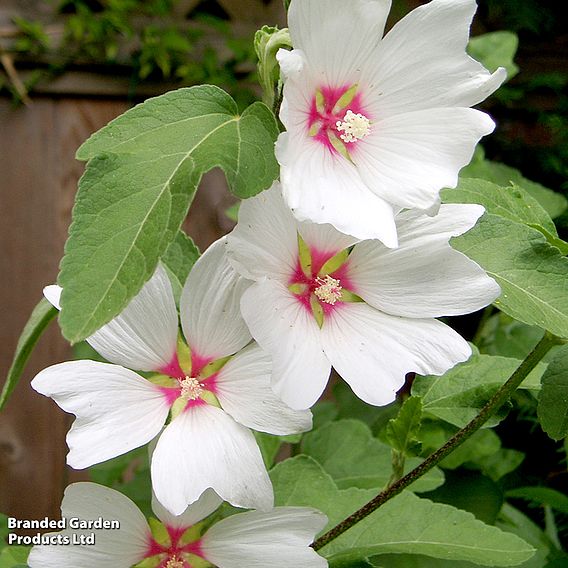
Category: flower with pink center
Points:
column 276, row 539
column 375, row 125
column 323, row 298
column 209, row 391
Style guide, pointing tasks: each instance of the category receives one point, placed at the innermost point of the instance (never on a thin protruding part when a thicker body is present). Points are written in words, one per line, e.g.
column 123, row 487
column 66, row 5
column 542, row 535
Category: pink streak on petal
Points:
column 173, row 369
column 198, row 362
column 171, row 394
column 194, row 548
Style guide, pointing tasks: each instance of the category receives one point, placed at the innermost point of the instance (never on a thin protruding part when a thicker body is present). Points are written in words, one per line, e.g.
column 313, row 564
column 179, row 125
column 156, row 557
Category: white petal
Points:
column 325, row 239
column 202, row 508
column 209, row 306
column 424, row 277
column 409, row 157
column 113, row 548
column 204, row 447
column 243, row 389
column 265, row 241
column 291, row 62
column 422, row 62
column 336, row 41
column 144, row 335
column 373, row 351
column 288, row 332
column 326, row 188
column 116, row 409
column 52, row 294
column 278, row 539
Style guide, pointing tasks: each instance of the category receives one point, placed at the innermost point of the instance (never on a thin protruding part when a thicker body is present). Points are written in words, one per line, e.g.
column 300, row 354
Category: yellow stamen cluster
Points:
column 329, row 289
column 354, row 126
column 173, row 562
column 191, row 389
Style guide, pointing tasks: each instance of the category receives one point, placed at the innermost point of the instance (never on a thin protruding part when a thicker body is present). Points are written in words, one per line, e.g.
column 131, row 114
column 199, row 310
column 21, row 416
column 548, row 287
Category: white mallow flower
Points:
column 276, row 539
column 213, row 392
column 323, row 298
column 376, row 125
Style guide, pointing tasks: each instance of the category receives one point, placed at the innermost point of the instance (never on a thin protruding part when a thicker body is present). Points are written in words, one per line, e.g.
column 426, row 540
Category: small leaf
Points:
column 553, row 398
column 305, row 256
column 542, row 496
column 347, row 450
column 39, row 319
column 533, row 275
column 333, row 263
column 401, row 432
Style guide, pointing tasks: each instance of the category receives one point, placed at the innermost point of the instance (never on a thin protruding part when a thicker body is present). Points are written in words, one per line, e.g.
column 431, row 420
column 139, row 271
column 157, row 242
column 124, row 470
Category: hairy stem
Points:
column 496, row 401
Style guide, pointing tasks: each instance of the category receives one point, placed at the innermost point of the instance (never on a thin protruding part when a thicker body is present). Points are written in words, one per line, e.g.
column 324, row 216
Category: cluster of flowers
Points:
column 346, row 263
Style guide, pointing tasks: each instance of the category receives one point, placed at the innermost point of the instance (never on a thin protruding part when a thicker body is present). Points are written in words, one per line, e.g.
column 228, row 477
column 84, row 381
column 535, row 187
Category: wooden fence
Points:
column 38, row 181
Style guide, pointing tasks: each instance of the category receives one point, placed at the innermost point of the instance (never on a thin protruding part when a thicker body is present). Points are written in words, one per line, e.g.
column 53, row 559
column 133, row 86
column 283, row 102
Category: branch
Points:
column 496, row 401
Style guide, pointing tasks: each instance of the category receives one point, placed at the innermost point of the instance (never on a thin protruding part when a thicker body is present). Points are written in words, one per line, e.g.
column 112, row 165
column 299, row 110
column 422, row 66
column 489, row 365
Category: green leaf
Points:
column 401, row 432
column 480, row 446
column 542, row 496
column 457, row 396
column 416, row 561
column 513, row 521
column 347, row 450
column 470, row 491
column 503, row 335
column 143, row 172
column 554, row 203
column 178, row 259
column 39, row 319
column 405, row 524
column 511, row 202
column 14, row 556
column 532, row 274
column 495, row 49
column 409, row 524
column 553, row 398
column 270, row 445
column 500, row 463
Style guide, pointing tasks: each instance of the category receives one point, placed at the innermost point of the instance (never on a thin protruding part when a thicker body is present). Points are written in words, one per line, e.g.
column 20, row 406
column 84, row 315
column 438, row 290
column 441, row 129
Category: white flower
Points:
column 377, row 124
column 214, row 393
column 322, row 298
column 277, row 539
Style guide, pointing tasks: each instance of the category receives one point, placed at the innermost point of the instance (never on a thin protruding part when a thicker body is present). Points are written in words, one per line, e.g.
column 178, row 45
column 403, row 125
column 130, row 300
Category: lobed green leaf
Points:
column 143, row 173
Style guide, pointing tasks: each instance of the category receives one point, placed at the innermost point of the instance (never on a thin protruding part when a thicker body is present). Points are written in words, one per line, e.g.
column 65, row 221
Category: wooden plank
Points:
column 37, row 186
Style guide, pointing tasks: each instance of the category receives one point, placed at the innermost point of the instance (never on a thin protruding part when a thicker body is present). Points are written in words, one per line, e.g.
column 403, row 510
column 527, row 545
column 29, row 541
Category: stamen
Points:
column 191, row 389
column 173, row 562
column 329, row 289
column 354, row 126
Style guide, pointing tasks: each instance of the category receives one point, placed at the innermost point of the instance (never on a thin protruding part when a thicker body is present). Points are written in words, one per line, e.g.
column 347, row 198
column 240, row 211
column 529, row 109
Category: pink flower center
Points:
column 337, row 118
column 192, row 388
column 173, row 554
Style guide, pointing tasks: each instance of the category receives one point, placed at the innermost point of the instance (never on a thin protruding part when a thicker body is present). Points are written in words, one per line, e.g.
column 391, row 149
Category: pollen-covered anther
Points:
column 191, row 389
column 174, row 562
column 354, row 126
column 329, row 289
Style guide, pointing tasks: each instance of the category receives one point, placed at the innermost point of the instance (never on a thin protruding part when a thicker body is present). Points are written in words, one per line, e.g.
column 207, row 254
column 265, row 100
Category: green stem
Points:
column 496, row 401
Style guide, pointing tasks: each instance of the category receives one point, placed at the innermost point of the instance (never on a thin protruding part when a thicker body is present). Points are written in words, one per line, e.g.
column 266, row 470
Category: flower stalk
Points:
column 497, row 400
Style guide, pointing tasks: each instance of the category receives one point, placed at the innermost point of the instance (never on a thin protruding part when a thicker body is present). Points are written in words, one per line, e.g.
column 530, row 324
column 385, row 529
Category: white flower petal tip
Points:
column 212, row 451
column 117, row 410
column 276, row 539
column 378, row 121
column 291, row 62
column 52, row 294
